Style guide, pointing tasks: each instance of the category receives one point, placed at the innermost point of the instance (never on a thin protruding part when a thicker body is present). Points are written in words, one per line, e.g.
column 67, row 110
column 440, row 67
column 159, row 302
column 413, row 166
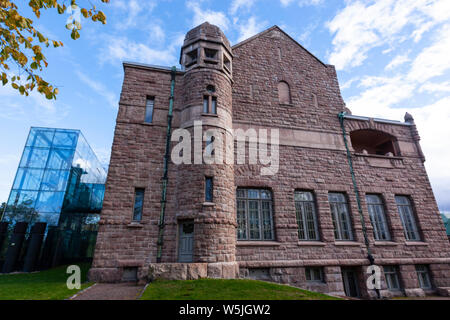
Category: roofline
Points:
column 395, row 122
column 150, row 67
column 273, row 28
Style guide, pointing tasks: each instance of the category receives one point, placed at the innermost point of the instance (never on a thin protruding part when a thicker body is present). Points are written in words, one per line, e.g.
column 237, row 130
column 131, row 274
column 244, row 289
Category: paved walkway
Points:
column 104, row 291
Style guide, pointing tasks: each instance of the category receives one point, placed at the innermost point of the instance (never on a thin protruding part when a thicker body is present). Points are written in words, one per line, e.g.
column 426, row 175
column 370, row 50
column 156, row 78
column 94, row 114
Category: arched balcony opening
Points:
column 374, row 142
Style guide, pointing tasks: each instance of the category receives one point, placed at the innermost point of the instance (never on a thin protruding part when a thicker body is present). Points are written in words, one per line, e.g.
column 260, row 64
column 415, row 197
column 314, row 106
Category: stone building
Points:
column 306, row 224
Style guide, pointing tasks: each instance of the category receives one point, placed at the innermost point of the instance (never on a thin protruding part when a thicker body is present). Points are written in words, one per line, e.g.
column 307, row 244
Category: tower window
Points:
column 378, row 217
column 209, row 189
column 210, row 55
column 284, row 93
column 191, row 57
column 226, row 63
column 305, row 210
column 210, row 104
column 408, row 219
column 149, row 109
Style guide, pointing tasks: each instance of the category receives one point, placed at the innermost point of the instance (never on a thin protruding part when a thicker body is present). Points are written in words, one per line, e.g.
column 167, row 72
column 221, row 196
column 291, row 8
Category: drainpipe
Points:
column 358, row 198
column 165, row 178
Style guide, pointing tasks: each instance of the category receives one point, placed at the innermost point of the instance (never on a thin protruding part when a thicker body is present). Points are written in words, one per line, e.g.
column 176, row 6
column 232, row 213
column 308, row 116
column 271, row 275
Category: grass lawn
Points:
column 211, row 289
column 45, row 285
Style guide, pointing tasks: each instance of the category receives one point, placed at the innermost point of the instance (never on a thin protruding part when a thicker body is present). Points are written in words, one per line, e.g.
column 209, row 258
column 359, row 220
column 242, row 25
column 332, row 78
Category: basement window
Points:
column 373, row 142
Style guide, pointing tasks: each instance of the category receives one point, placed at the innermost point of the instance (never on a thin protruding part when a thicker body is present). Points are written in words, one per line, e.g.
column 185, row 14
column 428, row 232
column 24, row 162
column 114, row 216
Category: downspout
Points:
column 358, row 199
column 165, row 178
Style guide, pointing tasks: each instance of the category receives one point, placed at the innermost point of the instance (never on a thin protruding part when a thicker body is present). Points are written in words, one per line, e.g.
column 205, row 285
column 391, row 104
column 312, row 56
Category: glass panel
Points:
column 34, row 157
column 402, row 200
column 253, row 194
column 65, row 139
column 267, row 220
column 300, row 221
column 49, row 201
column 208, row 189
column 214, row 105
column 55, row 180
column 336, row 197
column 303, row 196
column 242, row 220
column 40, row 137
column 60, row 159
column 254, row 220
column 138, row 204
column 28, row 179
column 149, row 110
column 206, row 104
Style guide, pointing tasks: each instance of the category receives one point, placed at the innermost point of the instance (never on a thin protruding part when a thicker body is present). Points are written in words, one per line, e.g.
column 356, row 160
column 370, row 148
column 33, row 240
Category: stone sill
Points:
column 385, row 243
column 311, row 244
column 258, row 243
column 286, row 104
column 209, row 204
column 416, row 243
column 210, row 115
column 377, row 156
column 135, row 225
column 347, row 244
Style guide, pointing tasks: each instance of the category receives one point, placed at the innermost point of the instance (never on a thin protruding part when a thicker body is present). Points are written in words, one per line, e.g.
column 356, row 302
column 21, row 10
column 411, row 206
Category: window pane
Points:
column 407, row 217
column 55, row 180
column 254, row 220
column 214, row 105
column 267, row 220
column 49, row 201
column 40, row 137
column 60, row 159
column 138, row 204
column 209, row 189
column 206, row 104
column 149, row 110
column 34, row 157
column 65, row 139
column 377, row 217
column 28, row 179
column 341, row 216
column 242, row 220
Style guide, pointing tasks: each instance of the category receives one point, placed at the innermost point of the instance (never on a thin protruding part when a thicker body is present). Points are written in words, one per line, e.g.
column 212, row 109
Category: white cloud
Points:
column 363, row 25
column 301, row 3
column 251, row 28
column 435, row 87
column 434, row 60
column 236, row 5
column 214, row 17
column 397, row 61
column 100, row 89
column 120, row 49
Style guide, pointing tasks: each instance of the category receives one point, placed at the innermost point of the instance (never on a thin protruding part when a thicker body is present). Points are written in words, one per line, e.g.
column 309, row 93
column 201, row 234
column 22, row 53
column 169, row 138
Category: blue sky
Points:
column 392, row 56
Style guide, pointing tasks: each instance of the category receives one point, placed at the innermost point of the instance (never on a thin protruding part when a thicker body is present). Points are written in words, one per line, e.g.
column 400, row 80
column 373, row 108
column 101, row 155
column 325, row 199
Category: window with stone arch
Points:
column 284, row 92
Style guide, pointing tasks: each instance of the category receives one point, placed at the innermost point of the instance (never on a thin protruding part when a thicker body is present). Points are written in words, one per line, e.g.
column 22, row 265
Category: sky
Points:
column 392, row 57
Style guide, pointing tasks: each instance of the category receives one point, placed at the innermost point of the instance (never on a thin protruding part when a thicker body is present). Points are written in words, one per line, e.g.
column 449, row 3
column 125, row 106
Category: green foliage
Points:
column 44, row 285
column 212, row 289
column 21, row 44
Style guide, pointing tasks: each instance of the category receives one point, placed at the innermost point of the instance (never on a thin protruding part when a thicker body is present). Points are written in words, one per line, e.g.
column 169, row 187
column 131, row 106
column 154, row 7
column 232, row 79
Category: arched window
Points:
column 284, row 93
column 375, row 142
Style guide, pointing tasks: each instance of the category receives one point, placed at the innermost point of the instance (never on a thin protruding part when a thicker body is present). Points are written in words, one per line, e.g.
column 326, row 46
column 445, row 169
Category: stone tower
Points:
column 205, row 189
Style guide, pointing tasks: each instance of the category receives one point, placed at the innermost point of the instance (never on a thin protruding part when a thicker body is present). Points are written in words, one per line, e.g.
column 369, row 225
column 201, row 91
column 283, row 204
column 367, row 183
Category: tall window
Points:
column 149, row 109
column 423, row 274
column 392, row 278
column 408, row 220
column 378, row 217
column 209, row 104
column 284, row 93
column 209, row 189
column 305, row 210
column 341, row 216
column 138, row 204
column 254, row 214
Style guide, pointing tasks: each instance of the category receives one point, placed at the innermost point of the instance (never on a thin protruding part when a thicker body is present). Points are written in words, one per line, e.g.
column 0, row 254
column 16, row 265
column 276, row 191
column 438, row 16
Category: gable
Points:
column 276, row 32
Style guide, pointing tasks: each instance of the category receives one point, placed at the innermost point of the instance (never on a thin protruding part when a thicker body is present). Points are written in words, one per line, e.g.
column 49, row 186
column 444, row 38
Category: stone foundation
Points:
column 193, row 271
